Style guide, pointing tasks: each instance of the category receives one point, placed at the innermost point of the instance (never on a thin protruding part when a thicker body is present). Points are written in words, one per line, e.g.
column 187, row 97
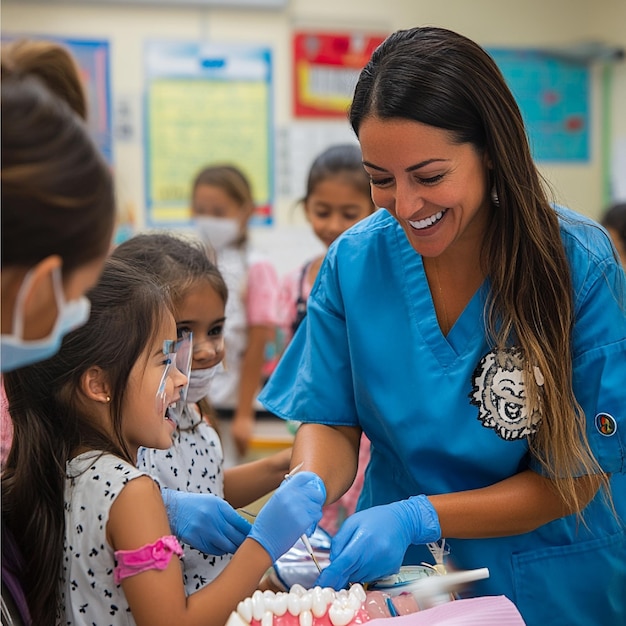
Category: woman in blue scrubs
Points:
column 477, row 334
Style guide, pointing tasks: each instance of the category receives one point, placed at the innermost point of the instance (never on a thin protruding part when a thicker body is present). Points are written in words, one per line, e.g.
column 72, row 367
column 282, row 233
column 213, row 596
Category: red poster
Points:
column 326, row 67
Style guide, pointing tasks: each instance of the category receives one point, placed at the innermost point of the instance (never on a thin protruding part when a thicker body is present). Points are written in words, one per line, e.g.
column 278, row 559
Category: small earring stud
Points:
column 108, row 398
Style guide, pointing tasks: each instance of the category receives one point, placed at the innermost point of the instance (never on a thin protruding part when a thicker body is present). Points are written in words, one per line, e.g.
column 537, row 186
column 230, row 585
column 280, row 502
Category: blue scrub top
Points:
column 446, row 413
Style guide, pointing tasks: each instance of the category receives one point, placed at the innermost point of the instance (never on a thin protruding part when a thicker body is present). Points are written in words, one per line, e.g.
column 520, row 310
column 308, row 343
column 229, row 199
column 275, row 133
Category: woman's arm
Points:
column 249, row 385
column 319, row 447
column 513, row 506
column 248, row 482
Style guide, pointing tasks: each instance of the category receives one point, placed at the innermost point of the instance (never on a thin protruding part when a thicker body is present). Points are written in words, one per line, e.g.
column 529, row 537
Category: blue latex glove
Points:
column 371, row 543
column 295, row 508
column 205, row 522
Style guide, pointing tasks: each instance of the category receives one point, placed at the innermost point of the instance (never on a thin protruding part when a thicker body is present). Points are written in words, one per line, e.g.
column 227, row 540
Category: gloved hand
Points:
column 295, row 508
column 204, row 521
column 371, row 543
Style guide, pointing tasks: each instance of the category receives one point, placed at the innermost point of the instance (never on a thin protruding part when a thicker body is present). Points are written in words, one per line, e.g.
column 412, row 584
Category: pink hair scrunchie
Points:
column 155, row 555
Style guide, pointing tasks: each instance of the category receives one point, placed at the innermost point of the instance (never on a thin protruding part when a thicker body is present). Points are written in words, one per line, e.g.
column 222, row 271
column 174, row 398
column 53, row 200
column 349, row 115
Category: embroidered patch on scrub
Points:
column 606, row 424
column 499, row 393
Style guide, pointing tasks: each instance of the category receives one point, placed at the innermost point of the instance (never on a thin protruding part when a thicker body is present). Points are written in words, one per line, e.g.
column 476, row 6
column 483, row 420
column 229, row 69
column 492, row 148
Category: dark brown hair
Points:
column 57, row 190
column 340, row 160
column 52, row 421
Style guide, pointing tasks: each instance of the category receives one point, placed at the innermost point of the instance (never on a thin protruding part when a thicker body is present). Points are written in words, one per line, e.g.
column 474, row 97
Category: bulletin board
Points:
column 92, row 58
column 553, row 95
column 326, row 67
column 206, row 103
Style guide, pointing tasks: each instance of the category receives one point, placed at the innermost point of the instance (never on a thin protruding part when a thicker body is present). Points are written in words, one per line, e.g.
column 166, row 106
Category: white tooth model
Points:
column 327, row 607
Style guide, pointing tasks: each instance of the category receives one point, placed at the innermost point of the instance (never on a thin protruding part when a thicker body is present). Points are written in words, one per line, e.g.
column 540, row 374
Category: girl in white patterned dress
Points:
column 194, row 463
column 92, row 527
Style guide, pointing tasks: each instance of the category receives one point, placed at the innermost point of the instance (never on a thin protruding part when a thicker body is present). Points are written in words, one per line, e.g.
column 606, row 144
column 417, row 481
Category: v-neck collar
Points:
column 469, row 326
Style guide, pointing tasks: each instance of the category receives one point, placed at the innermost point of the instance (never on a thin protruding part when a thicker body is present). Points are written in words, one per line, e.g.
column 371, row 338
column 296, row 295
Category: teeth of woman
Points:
column 268, row 619
column 306, row 618
column 244, row 608
column 258, row 605
column 429, row 221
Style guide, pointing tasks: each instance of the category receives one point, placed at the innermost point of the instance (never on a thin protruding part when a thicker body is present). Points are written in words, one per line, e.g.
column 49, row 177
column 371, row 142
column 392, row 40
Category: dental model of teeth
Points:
column 354, row 607
column 318, row 607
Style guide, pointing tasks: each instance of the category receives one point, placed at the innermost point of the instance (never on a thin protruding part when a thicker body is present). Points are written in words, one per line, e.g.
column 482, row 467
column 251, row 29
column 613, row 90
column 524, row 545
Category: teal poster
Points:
column 553, row 95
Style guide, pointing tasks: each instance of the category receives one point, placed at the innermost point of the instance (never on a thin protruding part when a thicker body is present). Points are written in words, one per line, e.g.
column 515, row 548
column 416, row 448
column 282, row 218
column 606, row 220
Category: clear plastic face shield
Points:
column 184, row 357
column 178, row 354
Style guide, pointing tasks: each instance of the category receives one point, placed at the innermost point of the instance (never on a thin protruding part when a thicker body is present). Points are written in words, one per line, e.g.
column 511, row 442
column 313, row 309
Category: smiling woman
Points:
column 472, row 331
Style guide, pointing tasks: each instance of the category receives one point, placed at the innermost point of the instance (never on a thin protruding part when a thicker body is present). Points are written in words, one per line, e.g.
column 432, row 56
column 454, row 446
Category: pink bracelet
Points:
column 155, row 555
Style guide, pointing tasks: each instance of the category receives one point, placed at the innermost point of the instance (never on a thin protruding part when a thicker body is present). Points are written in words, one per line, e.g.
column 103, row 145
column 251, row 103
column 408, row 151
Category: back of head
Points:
column 229, row 178
column 177, row 262
column 52, row 64
column 52, row 418
column 340, row 160
column 57, row 190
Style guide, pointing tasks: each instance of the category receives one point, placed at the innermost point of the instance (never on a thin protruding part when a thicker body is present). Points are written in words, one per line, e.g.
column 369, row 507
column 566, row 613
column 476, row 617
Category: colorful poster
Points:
column 206, row 103
column 326, row 67
column 553, row 95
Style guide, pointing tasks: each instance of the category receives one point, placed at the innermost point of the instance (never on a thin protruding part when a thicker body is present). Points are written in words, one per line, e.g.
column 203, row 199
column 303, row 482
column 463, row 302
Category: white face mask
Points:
column 17, row 351
column 218, row 232
column 200, row 381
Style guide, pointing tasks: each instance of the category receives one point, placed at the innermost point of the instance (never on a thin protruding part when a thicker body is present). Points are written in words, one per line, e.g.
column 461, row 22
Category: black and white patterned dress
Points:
column 192, row 464
column 89, row 594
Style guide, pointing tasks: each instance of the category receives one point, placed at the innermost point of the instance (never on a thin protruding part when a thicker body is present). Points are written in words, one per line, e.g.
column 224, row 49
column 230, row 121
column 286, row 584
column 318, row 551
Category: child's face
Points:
column 202, row 312
column 334, row 205
column 145, row 421
column 213, row 201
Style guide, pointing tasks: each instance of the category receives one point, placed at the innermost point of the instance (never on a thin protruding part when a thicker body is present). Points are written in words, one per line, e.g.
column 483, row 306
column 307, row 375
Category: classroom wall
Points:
column 532, row 23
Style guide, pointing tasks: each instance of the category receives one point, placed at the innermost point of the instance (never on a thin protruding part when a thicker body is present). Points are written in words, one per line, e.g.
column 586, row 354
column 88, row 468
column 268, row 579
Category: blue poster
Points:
column 553, row 95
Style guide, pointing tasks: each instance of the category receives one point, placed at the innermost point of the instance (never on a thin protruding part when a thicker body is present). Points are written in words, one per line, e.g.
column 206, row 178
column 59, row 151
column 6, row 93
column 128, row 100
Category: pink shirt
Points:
column 261, row 293
column 288, row 295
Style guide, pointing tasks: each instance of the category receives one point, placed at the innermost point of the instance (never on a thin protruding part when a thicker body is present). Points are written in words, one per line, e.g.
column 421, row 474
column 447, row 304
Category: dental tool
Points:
column 304, row 538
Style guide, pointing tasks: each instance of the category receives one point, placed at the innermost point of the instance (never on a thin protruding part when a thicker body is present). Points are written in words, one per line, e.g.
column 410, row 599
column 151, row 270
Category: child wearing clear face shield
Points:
column 193, row 467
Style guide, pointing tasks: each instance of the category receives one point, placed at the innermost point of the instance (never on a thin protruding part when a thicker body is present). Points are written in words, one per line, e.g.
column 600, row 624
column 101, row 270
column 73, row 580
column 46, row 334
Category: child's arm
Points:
column 157, row 597
column 248, row 482
column 249, row 384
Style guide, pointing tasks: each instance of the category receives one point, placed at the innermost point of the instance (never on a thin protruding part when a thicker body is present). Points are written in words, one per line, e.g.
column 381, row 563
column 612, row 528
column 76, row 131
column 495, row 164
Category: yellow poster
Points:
column 216, row 114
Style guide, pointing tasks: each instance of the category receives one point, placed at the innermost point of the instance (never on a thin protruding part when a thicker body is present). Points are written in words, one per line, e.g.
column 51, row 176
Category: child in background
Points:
column 194, row 463
column 82, row 513
column 221, row 207
column 337, row 197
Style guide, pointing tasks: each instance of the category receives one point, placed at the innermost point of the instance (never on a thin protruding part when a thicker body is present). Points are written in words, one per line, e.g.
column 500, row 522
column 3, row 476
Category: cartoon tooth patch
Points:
column 500, row 394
